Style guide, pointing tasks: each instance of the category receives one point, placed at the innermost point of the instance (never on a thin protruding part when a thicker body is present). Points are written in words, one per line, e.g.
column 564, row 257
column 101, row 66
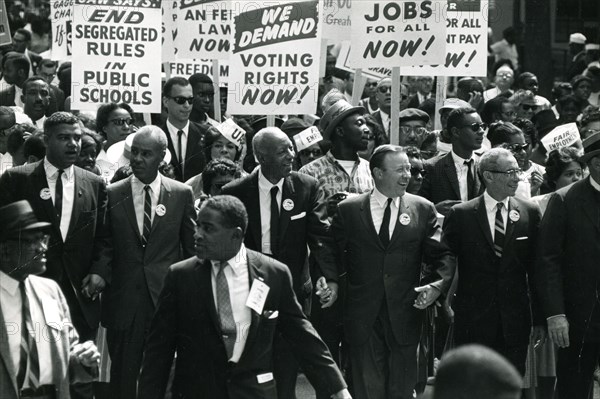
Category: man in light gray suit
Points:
column 153, row 228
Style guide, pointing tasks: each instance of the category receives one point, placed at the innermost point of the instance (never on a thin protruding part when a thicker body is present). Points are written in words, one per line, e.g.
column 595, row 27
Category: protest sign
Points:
column 275, row 59
column 61, row 13
column 232, row 132
column 561, row 136
column 169, row 30
column 5, row 37
column 343, row 62
column 203, row 28
column 397, row 33
column 337, row 19
column 186, row 68
column 117, row 50
column 307, row 137
column 466, row 42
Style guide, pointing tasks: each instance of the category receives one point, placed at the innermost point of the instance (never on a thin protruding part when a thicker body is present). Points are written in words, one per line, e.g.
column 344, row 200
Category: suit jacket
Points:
column 87, row 246
column 493, row 291
column 56, row 101
column 134, row 267
column 376, row 274
column 441, row 181
column 305, row 224
column 568, row 271
column 187, row 322
column 195, row 161
column 65, row 367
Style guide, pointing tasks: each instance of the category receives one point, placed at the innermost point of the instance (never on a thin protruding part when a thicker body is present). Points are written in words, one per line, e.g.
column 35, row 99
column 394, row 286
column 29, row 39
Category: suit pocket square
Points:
column 522, row 238
column 298, row 216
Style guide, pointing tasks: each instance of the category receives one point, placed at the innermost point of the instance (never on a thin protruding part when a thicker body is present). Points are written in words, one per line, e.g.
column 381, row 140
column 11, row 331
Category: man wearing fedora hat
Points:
column 39, row 349
column 568, row 276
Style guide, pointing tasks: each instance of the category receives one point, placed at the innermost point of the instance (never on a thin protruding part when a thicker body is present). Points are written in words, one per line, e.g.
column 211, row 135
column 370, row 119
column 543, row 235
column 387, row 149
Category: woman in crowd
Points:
column 377, row 137
column 429, row 145
column 91, row 145
column 217, row 174
column 582, row 89
column 590, row 121
column 568, row 108
column 498, row 109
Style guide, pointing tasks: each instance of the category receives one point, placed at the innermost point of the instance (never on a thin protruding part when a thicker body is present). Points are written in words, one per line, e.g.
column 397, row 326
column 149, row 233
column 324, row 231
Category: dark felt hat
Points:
column 18, row 217
column 336, row 114
column 413, row 114
column 591, row 147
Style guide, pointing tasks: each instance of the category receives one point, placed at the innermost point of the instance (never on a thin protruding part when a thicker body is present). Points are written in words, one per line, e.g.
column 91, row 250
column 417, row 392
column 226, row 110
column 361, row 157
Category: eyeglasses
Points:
column 122, row 121
column 505, row 75
column 418, row 130
column 527, row 107
column 513, row 173
column 182, row 100
column 518, row 147
column 477, row 126
column 315, row 153
column 414, row 172
column 384, row 89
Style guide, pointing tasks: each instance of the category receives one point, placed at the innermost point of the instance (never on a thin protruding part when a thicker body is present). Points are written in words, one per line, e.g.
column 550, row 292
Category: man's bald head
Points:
column 153, row 133
column 476, row 372
column 263, row 141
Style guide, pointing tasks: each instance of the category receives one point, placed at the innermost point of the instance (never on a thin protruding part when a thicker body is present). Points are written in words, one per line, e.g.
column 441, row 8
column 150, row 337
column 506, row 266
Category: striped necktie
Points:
column 147, row 216
column 28, row 375
column 499, row 231
column 225, row 311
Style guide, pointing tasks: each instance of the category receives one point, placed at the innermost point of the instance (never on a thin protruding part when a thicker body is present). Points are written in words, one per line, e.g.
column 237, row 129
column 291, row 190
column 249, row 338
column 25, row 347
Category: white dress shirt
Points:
column 491, row 206
column 236, row 274
column 378, row 204
column 461, row 173
column 422, row 97
column 68, row 197
column 40, row 122
column 175, row 139
column 139, row 194
column 11, row 306
column 264, row 197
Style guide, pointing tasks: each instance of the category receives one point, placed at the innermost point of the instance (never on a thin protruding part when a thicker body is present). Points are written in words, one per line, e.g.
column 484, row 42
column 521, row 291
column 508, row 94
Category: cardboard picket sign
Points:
column 5, row 36
column 275, row 58
column 466, row 38
column 337, row 20
column 343, row 62
column 61, row 14
column 116, row 48
column 397, row 33
column 232, row 132
column 186, row 68
column 307, row 137
column 561, row 136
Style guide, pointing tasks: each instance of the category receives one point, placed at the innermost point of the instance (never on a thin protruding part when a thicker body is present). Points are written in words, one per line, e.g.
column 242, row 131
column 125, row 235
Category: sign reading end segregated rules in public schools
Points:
column 117, row 45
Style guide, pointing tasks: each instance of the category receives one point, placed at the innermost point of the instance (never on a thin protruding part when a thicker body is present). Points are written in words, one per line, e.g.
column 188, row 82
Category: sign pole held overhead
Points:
column 217, row 97
column 395, row 109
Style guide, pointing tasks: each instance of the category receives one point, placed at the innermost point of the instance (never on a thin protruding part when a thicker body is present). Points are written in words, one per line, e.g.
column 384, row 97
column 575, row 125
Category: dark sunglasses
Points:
column 414, row 172
column 519, row 147
column 122, row 121
column 314, row 153
column 477, row 126
column 181, row 100
column 529, row 107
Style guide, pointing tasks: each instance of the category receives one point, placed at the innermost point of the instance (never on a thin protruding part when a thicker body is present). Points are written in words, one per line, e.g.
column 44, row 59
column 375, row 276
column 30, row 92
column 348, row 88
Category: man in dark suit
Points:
column 21, row 44
column 185, row 138
column 156, row 230
column 286, row 228
column 383, row 93
column 16, row 72
column 382, row 238
column 36, row 100
column 39, row 303
column 568, row 276
column 424, row 91
column 220, row 311
column 452, row 178
column 494, row 237
column 46, row 69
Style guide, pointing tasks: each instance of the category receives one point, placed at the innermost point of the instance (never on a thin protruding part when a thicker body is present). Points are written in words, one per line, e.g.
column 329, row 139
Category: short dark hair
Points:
column 493, row 106
column 25, row 33
column 219, row 167
column 381, row 152
column 20, row 62
column 48, row 63
column 523, row 77
column 557, row 162
column 198, row 78
column 15, row 140
column 501, row 63
column 212, row 135
column 35, row 146
column 232, row 210
column 377, row 130
column 528, row 128
column 34, row 79
column 179, row 81
column 59, row 118
column 102, row 116
column 456, row 116
column 500, row 132
column 568, row 99
column 430, row 138
column 98, row 139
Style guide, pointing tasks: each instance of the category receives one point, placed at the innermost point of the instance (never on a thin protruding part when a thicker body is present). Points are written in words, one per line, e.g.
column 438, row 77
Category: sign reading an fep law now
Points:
column 397, row 33
column 275, row 58
column 466, row 42
column 117, row 48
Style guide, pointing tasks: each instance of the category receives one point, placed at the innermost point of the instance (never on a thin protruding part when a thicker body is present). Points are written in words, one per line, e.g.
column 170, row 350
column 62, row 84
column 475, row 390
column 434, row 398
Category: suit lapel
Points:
column 510, row 225
column 77, row 198
column 404, row 208
column 5, row 355
column 39, row 183
column 126, row 198
column 367, row 218
column 451, row 174
column 164, row 198
column 483, row 221
column 589, row 204
column 193, row 140
column 170, row 146
column 253, row 208
column 203, row 279
column 254, row 272
column 288, row 194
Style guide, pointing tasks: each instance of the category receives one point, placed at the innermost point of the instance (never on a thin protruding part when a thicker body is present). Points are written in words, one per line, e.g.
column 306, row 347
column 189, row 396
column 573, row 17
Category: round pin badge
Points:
column 514, row 216
column 161, row 210
column 288, row 204
column 45, row 194
column 404, row 219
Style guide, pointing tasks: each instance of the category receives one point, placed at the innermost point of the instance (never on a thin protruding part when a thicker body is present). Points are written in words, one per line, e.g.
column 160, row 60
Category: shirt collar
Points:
column 382, row 199
column 51, row 170
column 236, row 263
column 8, row 283
column 459, row 160
column 594, row 184
column 174, row 129
column 266, row 185
column 490, row 203
column 139, row 185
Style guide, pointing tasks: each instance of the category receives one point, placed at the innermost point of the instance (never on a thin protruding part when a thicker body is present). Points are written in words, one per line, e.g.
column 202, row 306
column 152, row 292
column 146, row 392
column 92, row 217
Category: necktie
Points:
column 274, row 220
column 225, row 312
column 384, row 231
column 28, row 375
column 147, row 216
column 499, row 231
column 180, row 150
column 470, row 193
column 58, row 194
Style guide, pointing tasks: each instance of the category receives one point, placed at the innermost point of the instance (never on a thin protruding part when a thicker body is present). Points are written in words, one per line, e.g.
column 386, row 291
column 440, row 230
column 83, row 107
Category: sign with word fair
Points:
column 116, row 48
column 466, row 42
column 561, row 136
column 397, row 33
column 275, row 59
